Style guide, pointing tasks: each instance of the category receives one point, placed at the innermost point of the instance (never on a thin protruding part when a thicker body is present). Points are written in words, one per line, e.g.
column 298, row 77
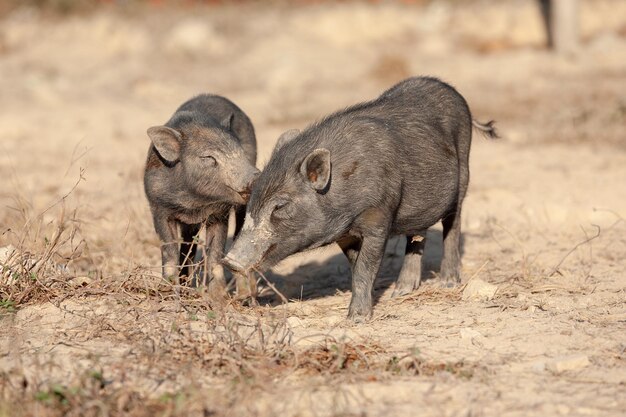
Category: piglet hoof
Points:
column 449, row 281
column 216, row 293
column 246, row 298
column 248, row 301
column 358, row 319
column 245, row 289
column 359, row 316
column 217, row 299
column 402, row 290
column 185, row 281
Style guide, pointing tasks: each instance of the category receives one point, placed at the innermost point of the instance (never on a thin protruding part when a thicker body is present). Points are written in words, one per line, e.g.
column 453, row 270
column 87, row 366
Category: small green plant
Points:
column 7, row 306
column 55, row 392
column 177, row 400
column 98, row 377
column 43, row 396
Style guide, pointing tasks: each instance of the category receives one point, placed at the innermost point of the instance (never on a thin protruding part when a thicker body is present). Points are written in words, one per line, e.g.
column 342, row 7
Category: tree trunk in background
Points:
column 563, row 21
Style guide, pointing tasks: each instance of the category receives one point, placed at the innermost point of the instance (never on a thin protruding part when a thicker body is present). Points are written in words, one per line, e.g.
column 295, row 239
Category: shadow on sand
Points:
column 316, row 279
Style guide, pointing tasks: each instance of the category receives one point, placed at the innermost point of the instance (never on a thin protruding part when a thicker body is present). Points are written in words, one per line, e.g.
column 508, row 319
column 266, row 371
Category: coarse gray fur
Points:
column 200, row 164
column 392, row 166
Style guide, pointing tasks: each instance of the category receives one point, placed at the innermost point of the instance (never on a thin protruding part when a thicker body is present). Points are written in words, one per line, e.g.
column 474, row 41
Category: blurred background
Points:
column 82, row 80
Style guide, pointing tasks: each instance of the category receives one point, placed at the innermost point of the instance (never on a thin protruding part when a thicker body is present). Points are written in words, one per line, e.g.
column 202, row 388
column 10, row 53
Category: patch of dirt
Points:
column 89, row 327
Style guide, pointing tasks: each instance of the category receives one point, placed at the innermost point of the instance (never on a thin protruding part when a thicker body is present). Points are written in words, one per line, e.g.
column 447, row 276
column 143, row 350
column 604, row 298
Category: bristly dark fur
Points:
column 189, row 192
column 395, row 165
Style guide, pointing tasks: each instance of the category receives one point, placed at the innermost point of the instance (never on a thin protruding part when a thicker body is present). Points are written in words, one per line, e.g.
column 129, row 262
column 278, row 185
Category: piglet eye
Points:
column 282, row 210
column 209, row 160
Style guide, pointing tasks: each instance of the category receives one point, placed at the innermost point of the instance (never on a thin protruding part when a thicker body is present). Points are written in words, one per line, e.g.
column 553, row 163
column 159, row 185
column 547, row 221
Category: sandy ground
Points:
column 543, row 219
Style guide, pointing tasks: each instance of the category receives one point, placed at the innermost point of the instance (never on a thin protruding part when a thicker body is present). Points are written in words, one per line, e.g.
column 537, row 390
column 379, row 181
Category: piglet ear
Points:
column 286, row 137
column 166, row 141
column 316, row 169
column 227, row 122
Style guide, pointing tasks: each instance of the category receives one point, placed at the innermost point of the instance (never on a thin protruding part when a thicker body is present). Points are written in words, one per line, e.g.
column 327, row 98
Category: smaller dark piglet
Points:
column 200, row 164
column 395, row 165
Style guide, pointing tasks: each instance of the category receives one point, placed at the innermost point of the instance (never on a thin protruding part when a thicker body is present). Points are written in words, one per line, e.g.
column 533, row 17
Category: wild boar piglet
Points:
column 392, row 166
column 200, row 165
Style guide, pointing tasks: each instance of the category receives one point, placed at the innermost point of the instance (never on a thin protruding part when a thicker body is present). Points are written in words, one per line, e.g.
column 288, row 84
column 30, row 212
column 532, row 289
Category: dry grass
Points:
column 229, row 357
column 45, row 252
column 189, row 342
column 178, row 334
column 173, row 330
column 46, row 257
